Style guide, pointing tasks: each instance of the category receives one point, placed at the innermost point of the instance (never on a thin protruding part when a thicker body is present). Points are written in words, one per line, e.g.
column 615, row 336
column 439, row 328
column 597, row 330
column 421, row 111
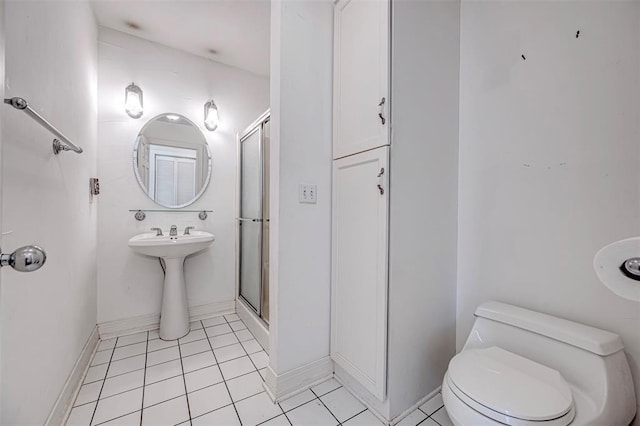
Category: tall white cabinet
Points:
column 395, row 111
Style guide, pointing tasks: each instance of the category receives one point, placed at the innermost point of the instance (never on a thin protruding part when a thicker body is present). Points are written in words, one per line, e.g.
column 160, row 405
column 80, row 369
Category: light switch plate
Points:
column 307, row 193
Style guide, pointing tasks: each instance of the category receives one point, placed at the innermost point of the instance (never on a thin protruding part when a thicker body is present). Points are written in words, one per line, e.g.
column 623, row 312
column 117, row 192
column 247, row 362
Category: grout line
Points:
column 115, row 418
column 102, row 387
column 355, row 415
column 144, row 380
column 322, row 402
column 247, row 354
column 285, row 415
column 184, row 380
column 224, row 380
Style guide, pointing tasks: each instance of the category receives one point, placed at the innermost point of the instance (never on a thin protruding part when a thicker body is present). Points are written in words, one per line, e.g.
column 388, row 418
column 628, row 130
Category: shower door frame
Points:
column 256, row 126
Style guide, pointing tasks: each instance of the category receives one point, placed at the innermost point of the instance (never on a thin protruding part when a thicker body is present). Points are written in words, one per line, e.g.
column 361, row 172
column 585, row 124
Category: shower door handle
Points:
column 24, row 259
column 246, row 219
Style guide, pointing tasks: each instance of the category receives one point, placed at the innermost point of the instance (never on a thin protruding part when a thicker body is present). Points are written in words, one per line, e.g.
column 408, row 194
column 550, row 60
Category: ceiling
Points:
column 233, row 32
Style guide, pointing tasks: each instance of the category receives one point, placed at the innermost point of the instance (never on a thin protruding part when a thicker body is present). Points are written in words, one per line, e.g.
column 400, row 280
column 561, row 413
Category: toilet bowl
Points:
column 523, row 368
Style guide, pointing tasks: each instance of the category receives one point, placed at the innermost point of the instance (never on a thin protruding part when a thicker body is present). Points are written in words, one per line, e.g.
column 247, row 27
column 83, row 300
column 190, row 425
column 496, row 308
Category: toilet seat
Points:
column 510, row 389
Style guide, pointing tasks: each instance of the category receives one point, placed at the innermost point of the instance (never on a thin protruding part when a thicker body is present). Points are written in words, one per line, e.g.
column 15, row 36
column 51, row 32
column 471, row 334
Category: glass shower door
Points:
column 251, row 219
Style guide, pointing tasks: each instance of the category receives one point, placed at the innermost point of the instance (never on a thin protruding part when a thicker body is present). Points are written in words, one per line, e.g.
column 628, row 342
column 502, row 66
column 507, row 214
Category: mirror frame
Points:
column 207, row 180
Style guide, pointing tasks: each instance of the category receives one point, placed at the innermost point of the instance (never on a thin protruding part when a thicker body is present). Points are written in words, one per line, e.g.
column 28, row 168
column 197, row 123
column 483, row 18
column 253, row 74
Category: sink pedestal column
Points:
column 174, row 317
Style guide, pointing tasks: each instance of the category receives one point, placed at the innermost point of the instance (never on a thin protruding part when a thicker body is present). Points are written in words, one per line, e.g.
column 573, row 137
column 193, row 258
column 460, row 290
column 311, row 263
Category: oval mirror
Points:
column 171, row 160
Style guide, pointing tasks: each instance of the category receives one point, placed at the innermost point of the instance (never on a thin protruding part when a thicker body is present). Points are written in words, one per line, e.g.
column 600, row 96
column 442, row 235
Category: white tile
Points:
column 163, row 391
column 432, row 405
column 342, row 404
column 243, row 335
column 442, row 417
column 232, row 317
column 126, row 365
column 157, row 344
column 122, row 383
column 281, row 420
column 213, row 321
column 194, row 347
column 223, row 340
column 195, row 325
column 88, row 393
column 245, row 386
column 81, row 416
column 325, row 387
column 163, row 371
column 96, row 373
column 257, row 409
column 251, row 346
column 193, row 336
column 163, row 355
column 236, row 367
column 260, row 359
column 131, row 339
column 217, row 330
column 132, row 419
column 154, row 334
column 229, row 352
column 127, row 351
column 118, row 405
column 263, row 373
column 223, row 416
column 208, row 399
column 167, row 413
column 198, row 361
column 366, row 418
column 237, row 325
column 413, row 419
column 106, row 344
column 297, row 400
column 429, row 422
column 202, row 378
column 101, row 357
column 311, row 413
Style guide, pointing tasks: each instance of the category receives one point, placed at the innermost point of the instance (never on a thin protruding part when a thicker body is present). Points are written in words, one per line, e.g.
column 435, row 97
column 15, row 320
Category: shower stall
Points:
column 253, row 220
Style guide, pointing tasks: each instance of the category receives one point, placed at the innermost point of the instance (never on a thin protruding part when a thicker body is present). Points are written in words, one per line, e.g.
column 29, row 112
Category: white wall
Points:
column 130, row 285
column 423, row 198
column 549, row 150
column 47, row 315
column 299, row 277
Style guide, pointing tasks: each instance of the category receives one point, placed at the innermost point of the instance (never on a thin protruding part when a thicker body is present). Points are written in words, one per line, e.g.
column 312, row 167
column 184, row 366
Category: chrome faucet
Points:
column 158, row 231
column 173, row 231
column 187, row 229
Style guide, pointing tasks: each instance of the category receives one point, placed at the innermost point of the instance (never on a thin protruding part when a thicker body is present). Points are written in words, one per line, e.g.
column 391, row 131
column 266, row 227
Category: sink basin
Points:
column 174, row 313
column 170, row 247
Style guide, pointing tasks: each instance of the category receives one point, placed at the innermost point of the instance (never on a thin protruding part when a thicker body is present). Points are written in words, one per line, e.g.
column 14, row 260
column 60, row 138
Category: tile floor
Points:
column 212, row 376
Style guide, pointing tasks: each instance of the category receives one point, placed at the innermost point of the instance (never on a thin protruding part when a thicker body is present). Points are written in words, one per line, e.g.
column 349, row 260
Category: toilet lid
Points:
column 496, row 381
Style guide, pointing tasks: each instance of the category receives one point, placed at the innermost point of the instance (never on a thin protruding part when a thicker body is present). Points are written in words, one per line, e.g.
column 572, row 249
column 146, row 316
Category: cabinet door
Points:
column 361, row 76
column 359, row 267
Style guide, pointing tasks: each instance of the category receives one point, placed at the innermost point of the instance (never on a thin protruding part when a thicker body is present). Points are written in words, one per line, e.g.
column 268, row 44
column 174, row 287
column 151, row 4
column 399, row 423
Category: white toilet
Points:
column 520, row 367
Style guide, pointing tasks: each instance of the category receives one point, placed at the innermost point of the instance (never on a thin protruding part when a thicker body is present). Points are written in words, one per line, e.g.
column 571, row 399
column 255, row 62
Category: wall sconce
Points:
column 133, row 101
column 211, row 118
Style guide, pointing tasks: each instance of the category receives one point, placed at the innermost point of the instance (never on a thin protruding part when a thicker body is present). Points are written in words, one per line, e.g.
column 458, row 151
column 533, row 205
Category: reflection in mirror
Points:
column 171, row 160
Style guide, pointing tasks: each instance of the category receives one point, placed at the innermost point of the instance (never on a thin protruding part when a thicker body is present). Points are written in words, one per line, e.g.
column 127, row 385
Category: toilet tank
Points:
column 590, row 359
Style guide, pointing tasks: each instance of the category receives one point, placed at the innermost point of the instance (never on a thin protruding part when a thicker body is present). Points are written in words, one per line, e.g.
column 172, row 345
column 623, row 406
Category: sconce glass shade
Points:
column 211, row 118
column 133, row 101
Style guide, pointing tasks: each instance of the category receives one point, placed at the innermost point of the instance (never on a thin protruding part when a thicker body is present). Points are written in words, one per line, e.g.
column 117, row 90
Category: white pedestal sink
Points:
column 174, row 315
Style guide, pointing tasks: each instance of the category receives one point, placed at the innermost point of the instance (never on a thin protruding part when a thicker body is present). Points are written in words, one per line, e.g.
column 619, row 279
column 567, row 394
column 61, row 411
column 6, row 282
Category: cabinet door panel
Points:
column 359, row 267
column 361, row 76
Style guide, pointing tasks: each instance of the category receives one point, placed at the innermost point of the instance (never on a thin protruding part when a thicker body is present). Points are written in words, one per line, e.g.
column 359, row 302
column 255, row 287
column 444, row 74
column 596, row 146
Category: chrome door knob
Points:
column 25, row 259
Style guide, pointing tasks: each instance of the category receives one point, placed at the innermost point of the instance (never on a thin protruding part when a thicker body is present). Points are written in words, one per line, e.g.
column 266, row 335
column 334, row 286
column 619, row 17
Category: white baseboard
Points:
column 63, row 404
column 132, row 325
column 414, row 407
column 255, row 325
column 280, row 387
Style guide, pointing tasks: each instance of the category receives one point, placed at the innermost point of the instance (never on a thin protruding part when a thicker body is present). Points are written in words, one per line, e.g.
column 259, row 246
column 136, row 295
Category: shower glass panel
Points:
column 254, row 217
column 251, row 219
